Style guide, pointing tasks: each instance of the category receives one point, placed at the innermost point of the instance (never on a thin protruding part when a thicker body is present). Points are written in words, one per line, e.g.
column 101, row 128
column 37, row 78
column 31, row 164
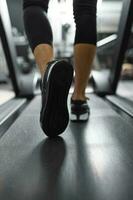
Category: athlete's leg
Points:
column 56, row 82
column 38, row 31
column 85, row 44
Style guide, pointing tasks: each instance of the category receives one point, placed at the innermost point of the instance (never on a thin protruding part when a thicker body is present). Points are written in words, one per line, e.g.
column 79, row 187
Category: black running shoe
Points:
column 80, row 110
column 54, row 116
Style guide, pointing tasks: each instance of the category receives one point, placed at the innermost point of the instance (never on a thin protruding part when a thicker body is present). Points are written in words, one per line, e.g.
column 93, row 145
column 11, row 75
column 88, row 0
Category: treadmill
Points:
column 92, row 160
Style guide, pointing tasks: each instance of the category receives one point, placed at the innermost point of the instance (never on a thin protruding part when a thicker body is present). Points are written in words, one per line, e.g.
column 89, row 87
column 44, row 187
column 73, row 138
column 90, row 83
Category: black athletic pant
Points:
column 38, row 28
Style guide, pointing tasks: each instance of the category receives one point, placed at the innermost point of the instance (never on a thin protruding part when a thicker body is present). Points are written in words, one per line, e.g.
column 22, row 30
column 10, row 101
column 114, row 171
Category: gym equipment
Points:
column 90, row 161
column 24, row 85
column 106, row 82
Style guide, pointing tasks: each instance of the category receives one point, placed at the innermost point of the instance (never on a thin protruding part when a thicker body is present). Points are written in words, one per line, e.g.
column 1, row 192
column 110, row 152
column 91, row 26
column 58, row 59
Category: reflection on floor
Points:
column 90, row 161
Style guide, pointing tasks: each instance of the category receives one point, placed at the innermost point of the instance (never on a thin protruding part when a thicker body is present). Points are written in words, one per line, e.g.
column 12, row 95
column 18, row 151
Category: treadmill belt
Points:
column 92, row 160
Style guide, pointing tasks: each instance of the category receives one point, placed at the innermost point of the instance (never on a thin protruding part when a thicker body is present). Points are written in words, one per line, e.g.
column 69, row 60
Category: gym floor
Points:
column 90, row 160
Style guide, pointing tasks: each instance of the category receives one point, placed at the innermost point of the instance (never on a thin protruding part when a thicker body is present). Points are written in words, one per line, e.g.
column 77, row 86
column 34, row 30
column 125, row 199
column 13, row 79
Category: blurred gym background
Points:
column 108, row 18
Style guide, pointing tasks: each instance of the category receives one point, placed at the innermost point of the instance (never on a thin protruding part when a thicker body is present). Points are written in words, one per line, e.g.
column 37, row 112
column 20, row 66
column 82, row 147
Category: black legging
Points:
column 38, row 28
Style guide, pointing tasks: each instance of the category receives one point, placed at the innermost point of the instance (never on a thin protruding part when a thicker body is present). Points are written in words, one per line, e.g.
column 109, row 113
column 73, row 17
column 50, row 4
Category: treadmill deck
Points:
column 92, row 160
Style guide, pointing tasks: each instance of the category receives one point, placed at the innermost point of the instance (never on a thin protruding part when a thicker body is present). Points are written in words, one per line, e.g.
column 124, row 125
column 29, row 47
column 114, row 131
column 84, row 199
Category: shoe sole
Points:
column 79, row 118
column 55, row 116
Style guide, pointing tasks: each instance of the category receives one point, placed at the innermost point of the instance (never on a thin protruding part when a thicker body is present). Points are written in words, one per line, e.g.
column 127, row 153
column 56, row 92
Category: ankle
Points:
column 78, row 97
column 43, row 68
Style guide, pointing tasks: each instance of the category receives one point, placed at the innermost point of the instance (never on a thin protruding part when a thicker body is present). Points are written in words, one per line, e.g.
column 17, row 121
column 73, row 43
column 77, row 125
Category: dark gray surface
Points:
column 89, row 161
column 9, row 111
column 9, row 107
column 123, row 103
